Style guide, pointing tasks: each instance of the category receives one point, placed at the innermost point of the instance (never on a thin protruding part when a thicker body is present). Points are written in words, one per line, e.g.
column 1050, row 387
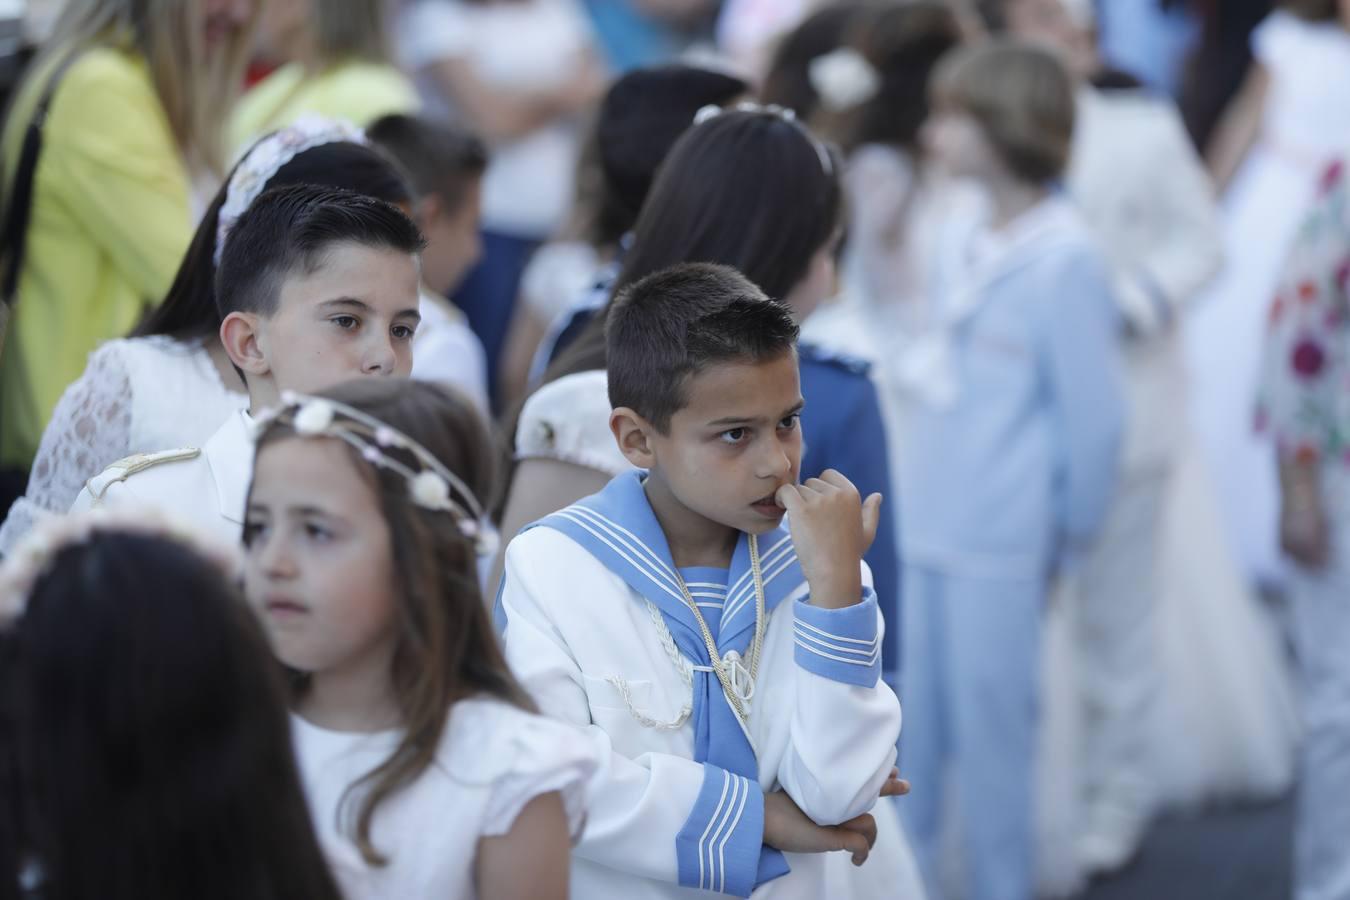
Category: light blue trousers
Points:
column 1320, row 602
column 970, row 690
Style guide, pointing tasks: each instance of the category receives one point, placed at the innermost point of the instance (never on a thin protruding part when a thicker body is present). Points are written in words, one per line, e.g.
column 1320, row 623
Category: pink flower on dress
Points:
column 1307, row 291
column 1332, row 176
column 1308, row 359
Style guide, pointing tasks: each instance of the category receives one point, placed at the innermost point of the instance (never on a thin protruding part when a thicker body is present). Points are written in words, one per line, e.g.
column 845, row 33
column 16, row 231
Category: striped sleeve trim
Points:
column 840, row 644
column 718, row 849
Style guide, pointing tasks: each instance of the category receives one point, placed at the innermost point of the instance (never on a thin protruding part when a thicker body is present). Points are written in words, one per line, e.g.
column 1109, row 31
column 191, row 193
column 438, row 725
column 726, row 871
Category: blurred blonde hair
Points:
column 350, row 29
column 1021, row 96
column 197, row 89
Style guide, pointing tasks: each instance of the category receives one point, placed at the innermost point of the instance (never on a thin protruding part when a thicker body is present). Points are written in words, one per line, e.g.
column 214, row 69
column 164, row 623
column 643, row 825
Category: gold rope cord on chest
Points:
column 727, row 673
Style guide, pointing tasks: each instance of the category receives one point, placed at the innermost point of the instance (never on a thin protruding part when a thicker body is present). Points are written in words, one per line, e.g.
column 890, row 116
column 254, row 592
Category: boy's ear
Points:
column 429, row 209
column 633, row 434
column 240, row 335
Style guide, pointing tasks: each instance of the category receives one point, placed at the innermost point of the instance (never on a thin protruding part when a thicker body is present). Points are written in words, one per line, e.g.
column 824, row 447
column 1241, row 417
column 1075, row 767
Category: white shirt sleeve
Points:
column 90, row 428
column 448, row 352
column 568, row 420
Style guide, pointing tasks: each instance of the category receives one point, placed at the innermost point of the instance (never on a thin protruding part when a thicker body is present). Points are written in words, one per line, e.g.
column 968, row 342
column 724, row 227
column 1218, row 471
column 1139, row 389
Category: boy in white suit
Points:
column 726, row 664
column 316, row 286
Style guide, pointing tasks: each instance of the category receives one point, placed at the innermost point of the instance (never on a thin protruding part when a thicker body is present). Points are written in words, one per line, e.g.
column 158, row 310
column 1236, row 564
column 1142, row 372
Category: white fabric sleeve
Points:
column 90, row 428
column 1186, row 250
column 844, row 726
column 1276, row 40
column 536, row 756
column 568, row 420
column 451, row 354
column 637, row 807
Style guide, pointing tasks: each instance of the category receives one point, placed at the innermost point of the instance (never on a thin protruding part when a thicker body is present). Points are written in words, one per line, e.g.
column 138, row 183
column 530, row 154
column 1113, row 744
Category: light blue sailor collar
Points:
column 971, row 258
column 618, row 527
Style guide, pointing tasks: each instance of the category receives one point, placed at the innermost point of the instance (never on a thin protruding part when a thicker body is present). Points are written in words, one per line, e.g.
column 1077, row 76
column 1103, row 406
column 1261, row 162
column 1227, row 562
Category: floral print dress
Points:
column 1304, row 400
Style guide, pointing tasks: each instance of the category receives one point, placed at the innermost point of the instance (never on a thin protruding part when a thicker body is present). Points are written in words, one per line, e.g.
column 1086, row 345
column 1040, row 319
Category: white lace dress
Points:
column 137, row 395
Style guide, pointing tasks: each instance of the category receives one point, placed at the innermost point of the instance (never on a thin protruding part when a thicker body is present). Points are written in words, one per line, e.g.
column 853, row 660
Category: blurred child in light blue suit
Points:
column 1009, row 458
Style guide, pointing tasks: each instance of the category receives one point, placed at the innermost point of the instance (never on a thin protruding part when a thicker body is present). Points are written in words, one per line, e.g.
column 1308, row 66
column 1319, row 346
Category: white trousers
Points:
column 1117, row 652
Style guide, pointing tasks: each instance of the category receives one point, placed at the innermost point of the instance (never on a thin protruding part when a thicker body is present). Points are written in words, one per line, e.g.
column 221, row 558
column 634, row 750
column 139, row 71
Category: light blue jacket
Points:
column 1014, row 465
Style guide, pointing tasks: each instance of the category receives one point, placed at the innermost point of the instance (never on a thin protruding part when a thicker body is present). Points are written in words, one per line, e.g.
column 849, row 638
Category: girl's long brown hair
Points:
column 446, row 649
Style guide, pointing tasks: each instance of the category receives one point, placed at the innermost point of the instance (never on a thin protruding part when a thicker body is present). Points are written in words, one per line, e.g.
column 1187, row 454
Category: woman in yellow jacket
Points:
column 335, row 64
column 137, row 89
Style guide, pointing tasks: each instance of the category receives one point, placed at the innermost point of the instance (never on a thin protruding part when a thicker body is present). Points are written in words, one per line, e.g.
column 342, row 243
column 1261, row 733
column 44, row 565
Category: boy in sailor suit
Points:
column 316, row 286
column 725, row 661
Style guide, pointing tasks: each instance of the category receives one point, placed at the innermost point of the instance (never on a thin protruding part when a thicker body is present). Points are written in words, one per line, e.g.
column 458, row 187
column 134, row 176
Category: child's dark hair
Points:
column 641, row 117
column 446, row 648
column 669, row 326
column 788, row 81
column 189, row 310
column 292, row 228
column 145, row 745
column 439, row 158
column 903, row 43
column 750, row 190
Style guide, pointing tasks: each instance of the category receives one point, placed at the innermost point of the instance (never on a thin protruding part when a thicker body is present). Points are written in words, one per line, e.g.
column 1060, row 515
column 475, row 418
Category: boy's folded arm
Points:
column 659, row 816
column 845, row 721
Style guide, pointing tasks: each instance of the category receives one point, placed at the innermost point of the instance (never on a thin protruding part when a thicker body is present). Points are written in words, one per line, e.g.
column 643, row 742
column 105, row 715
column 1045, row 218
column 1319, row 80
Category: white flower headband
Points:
column 843, row 79
column 33, row 557
column 258, row 167
column 430, row 483
column 712, row 111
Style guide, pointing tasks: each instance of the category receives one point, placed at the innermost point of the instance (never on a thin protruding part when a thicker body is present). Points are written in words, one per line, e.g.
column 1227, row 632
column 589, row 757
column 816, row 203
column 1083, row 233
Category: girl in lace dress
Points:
column 427, row 770
column 170, row 383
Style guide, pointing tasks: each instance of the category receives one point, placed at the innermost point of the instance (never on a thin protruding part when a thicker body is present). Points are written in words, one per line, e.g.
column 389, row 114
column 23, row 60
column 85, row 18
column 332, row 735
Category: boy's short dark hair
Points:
column 665, row 328
column 439, row 158
column 292, row 228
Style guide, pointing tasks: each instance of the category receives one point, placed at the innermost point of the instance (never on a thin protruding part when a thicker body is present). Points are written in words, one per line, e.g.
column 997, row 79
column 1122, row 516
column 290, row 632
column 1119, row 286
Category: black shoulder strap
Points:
column 14, row 226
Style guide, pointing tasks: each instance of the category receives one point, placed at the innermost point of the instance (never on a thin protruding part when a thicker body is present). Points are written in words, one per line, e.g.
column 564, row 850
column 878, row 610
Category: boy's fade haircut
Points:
column 438, row 157
column 673, row 324
column 1021, row 96
column 293, row 228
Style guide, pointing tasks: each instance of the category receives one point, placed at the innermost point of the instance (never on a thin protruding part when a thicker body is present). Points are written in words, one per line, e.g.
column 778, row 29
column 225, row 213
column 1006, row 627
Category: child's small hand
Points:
column 787, row 828
column 895, row 786
column 832, row 528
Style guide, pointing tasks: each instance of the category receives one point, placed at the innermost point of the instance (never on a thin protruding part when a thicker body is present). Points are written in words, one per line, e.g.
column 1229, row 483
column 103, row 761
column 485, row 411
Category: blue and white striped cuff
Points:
column 718, row 848
column 840, row 644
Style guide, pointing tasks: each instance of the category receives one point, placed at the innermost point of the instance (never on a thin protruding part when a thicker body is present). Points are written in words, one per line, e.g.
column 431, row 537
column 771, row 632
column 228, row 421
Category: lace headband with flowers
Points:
column 430, row 484
column 712, row 111
column 33, row 557
column 266, row 158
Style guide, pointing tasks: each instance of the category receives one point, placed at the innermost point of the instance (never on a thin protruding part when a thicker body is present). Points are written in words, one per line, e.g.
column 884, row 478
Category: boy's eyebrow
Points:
column 750, row 420
column 356, row 305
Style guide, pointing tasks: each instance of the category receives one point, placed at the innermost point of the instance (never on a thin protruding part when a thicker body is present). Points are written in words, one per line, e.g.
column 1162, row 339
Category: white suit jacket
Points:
column 206, row 487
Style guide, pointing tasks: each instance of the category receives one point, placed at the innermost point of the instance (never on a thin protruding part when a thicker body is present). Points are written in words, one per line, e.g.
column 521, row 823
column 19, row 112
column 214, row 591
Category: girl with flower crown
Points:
column 170, row 384
column 427, row 770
